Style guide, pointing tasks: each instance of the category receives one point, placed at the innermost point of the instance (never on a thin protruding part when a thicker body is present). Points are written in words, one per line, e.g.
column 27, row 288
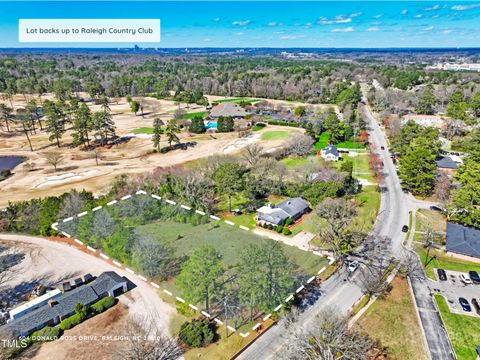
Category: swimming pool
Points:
column 211, row 125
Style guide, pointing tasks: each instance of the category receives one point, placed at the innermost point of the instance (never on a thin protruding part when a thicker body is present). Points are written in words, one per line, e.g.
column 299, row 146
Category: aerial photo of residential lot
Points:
column 283, row 180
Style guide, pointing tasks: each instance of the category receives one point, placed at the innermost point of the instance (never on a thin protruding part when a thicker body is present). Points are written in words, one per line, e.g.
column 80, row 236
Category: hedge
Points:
column 103, row 304
column 70, row 322
column 48, row 333
column 284, row 123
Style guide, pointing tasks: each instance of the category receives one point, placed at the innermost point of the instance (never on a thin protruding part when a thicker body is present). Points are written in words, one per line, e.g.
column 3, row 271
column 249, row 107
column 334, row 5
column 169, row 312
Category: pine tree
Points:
column 171, row 132
column 426, row 104
column 54, row 123
column 82, row 125
column 225, row 124
column 197, row 126
column 157, row 133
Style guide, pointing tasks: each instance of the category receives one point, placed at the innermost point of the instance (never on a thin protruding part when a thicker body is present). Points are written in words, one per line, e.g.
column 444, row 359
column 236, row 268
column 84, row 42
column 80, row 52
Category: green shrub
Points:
column 283, row 123
column 103, row 304
column 286, row 231
column 197, row 333
column 82, row 311
column 289, row 221
column 48, row 333
column 70, row 322
column 279, row 229
column 184, row 309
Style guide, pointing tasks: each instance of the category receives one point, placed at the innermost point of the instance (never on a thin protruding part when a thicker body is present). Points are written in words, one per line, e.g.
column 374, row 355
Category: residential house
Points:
column 330, row 153
column 228, row 109
column 448, row 164
column 60, row 307
column 425, row 120
column 276, row 215
column 463, row 240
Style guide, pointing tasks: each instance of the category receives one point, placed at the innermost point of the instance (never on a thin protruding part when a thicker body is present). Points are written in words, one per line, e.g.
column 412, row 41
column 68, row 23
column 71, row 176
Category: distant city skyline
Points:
column 284, row 24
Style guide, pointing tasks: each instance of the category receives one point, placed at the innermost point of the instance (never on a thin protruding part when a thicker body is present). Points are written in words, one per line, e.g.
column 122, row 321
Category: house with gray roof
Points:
column 447, row 162
column 463, row 240
column 61, row 307
column 330, row 153
column 276, row 215
column 228, row 109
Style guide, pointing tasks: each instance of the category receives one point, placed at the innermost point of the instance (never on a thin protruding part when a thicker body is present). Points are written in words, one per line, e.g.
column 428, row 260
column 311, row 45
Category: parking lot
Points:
column 453, row 288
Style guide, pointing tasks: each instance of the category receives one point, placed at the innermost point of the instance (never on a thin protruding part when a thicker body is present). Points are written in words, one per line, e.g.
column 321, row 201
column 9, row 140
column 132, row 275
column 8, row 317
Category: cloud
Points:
column 207, row 40
column 404, row 12
column 465, row 7
column 241, row 23
column 339, row 19
column 428, row 28
column 217, row 19
column 378, row 16
column 419, row 16
column 373, row 29
column 356, row 14
column 446, row 31
column 432, row 8
column 272, row 23
column 291, row 37
column 348, row 29
column 239, row 34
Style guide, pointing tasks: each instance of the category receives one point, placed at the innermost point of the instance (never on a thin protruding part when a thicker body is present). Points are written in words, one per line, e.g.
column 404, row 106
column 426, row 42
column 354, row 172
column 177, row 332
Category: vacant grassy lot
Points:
column 444, row 262
column 293, row 162
column 228, row 240
column 369, row 200
column 324, row 139
column 464, row 331
column 275, row 135
column 394, row 323
column 433, row 219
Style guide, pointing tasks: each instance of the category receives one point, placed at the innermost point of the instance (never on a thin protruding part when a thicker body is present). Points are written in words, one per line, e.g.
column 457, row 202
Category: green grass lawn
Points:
column 434, row 219
column 444, row 262
column 369, row 199
column 393, row 322
column 324, row 139
column 293, row 162
column 192, row 115
column 258, row 127
column 275, row 135
column 143, row 130
column 228, row 240
column 463, row 330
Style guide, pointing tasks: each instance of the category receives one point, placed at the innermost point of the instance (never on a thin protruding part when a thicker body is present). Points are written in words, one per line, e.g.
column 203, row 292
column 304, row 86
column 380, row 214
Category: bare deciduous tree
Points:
column 299, row 145
column 326, row 338
column 145, row 342
column 71, row 205
column 53, row 158
column 252, row 154
column 443, row 188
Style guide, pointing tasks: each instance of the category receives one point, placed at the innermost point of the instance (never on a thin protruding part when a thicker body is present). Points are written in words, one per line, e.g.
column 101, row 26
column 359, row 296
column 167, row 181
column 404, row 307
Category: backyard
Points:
column 463, row 330
column 323, row 140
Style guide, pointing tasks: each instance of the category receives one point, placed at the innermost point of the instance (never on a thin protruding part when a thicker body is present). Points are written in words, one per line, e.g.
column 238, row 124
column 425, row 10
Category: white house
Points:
column 330, row 153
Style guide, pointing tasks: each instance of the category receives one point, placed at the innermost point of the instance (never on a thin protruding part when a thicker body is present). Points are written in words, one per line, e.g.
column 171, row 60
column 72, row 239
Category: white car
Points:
column 465, row 279
column 352, row 266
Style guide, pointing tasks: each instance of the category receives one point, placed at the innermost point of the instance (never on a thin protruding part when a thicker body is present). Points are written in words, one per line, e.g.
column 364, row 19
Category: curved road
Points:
column 343, row 294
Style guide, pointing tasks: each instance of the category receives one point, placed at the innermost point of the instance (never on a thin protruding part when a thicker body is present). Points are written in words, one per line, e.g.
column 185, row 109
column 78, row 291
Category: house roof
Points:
column 65, row 304
column 293, row 206
column 228, row 109
column 273, row 215
column 331, row 149
column 447, row 163
column 463, row 240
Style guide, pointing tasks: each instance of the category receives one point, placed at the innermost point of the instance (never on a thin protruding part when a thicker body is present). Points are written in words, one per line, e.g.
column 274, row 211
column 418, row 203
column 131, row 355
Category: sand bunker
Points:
column 65, row 178
column 241, row 143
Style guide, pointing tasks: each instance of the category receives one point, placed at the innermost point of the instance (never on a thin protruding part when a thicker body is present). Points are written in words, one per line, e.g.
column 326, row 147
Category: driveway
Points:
column 51, row 262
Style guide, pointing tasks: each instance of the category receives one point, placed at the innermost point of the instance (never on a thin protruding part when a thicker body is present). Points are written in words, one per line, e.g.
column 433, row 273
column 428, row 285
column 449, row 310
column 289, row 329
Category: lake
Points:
column 9, row 162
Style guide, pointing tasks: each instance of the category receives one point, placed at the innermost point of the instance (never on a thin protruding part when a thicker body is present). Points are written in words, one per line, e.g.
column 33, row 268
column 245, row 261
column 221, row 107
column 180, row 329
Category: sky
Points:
column 280, row 24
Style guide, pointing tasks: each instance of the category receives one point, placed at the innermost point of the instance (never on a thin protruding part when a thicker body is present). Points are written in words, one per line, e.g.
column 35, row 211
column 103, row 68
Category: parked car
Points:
column 405, row 228
column 352, row 265
column 382, row 147
column 474, row 276
column 436, row 208
column 465, row 279
column 465, row 305
column 442, row 275
column 476, row 305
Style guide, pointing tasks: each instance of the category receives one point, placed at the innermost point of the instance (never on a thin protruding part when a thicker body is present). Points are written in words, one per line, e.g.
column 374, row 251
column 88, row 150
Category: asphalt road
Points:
column 342, row 293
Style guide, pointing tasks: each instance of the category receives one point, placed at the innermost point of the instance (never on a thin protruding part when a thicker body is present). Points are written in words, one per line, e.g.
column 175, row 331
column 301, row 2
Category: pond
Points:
column 9, row 162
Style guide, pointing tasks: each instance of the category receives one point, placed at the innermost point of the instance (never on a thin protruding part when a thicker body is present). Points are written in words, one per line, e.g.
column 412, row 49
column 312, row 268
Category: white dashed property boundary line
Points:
column 213, row 217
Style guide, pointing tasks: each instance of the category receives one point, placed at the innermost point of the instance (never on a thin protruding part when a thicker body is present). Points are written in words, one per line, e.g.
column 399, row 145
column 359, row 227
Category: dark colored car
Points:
column 465, row 305
column 474, row 276
column 436, row 208
column 382, row 147
column 442, row 275
column 405, row 228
